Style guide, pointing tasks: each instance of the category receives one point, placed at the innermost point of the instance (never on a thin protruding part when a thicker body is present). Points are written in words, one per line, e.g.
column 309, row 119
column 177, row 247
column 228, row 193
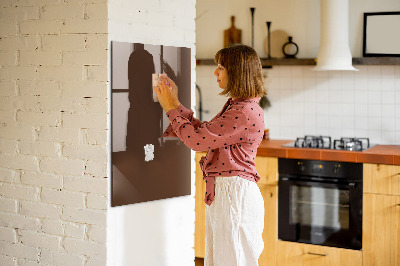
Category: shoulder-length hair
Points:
column 245, row 78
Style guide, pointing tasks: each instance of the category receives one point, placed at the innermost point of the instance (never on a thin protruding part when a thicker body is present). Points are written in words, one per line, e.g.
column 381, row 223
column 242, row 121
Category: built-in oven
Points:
column 320, row 202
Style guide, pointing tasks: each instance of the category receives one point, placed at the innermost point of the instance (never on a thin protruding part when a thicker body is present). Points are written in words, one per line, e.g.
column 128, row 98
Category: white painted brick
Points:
column 88, row 57
column 95, row 105
column 85, row 121
column 41, row 179
column 7, row 175
column 25, row 262
column 19, row 221
column 84, row 216
column 59, row 134
column 7, row 88
column 97, row 42
column 19, row 43
column 8, row 58
column 94, row 201
column 8, row 204
column 19, row 250
column 17, row 132
column 39, row 118
column 65, row 42
column 97, row 234
column 8, row 261
column 38, row 209
column 18, row 72
column 84, row 247
column 85, row 89
column 33, row 2
column 35, row 239
column 40, row 27
column 63, row 197
column 62, row 166
column 99, row 260
column 17, row 191
column 98, row 73
column 53, row 227
column 85, row 152
column 62, row 12
column 7, row 117
column 75, row 230
column 84, row 26
column 8, row 234
column 40, row 58
column 56, row 103
column 96, row 136
column 60, row 73
column 86, row 184
column 40, row 148
column 8, row 146
column 18, row 161
column 61, row 259
column 98, row 11
column 96, row 169
column 39, row 87
column 18, row 13
column 19, row 102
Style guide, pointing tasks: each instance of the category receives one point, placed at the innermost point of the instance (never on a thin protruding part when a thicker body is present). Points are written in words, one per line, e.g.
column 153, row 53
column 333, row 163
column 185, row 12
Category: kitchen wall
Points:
column 53, row 110
column 158, row 232
column 339, row 104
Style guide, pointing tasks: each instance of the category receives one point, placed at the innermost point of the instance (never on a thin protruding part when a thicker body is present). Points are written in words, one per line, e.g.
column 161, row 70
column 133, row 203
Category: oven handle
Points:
column 329, row 184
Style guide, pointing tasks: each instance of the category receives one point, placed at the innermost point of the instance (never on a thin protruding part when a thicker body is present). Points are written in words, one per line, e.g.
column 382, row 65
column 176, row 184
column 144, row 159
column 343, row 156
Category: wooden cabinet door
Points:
column 381, row 230
column 270, row 233
column 298, row 254
column 200, row 207
column 381, row 179
column 267, row 168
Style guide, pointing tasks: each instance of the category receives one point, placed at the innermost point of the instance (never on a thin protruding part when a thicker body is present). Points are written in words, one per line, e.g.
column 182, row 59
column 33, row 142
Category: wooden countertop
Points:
column 379, row 154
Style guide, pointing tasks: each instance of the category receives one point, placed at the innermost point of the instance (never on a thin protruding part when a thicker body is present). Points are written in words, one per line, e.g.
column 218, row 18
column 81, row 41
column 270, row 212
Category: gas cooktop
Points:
column 325, row 142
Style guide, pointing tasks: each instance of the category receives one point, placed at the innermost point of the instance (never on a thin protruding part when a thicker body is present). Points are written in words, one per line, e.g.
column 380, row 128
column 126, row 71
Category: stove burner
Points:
column 351, row 144
column 308, row 141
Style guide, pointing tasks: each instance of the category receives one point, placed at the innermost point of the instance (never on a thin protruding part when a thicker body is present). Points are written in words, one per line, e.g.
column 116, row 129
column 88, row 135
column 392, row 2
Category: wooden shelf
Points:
column 312, row 61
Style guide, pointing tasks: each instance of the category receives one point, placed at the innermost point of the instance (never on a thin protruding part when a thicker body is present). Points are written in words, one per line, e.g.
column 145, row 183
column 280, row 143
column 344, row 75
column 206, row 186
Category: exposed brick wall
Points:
column 53, row 121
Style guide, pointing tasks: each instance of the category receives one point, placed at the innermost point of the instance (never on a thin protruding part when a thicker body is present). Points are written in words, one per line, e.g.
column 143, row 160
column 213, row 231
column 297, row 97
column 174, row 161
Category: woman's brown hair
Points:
column 245, row 78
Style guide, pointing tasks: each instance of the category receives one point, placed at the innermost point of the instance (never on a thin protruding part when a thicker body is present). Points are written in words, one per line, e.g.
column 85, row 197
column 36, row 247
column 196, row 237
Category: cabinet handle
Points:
column 318, row 254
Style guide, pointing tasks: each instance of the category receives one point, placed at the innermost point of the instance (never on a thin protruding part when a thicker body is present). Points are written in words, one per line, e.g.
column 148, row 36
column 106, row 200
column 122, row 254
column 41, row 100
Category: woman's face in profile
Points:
column 222, row 76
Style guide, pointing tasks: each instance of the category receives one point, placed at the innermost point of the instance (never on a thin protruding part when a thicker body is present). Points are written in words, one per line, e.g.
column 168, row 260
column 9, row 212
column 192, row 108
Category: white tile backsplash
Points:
column 364, row 103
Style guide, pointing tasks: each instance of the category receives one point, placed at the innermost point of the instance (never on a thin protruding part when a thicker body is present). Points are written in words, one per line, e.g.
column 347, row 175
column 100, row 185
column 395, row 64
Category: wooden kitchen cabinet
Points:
column 381, row 215
column 267, row 167
column 381, row 179
column 200, row 207
column 298, row 254
column 381, row 230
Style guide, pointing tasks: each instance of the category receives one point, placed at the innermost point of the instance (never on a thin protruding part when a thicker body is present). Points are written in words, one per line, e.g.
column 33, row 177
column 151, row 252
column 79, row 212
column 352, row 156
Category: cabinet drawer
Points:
column 381, row 179
column 294, row 254
column 267, row 168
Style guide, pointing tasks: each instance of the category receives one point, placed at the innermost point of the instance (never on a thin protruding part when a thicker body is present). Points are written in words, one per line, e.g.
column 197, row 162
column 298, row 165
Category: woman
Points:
column 235, row 207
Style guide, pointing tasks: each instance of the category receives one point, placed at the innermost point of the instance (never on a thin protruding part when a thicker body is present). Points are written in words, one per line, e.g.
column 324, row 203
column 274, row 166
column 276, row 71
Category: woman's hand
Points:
column 164, row 95
column 174, row 91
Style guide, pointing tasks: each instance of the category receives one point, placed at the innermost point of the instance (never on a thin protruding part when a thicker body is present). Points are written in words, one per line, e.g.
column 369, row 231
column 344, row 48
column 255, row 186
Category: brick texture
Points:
column 53, row 131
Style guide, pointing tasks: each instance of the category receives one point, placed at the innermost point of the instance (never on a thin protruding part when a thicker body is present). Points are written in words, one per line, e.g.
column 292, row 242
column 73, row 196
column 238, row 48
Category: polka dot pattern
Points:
column 231, row 139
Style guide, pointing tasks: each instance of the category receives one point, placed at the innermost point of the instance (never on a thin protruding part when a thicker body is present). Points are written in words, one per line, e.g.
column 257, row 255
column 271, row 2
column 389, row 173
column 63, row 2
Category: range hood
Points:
column 334, row 51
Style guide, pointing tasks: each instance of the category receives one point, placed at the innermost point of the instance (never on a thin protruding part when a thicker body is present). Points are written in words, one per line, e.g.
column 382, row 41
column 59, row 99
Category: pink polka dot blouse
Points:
column 231, row 139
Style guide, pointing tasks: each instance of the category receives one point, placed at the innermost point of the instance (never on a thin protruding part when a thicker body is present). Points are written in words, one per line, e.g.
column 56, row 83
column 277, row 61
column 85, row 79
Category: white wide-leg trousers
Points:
column 234, row 223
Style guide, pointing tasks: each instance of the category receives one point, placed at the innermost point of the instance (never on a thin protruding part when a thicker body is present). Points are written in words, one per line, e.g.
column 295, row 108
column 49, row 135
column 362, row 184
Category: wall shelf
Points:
column 312, row 61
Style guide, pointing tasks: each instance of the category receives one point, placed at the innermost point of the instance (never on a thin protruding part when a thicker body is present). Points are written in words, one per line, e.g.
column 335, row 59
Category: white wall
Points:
column 159, row 232
column 299, row 18
column 338, row 104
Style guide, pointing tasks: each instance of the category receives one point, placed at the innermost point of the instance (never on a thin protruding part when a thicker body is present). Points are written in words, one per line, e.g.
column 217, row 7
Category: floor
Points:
column 199, row 262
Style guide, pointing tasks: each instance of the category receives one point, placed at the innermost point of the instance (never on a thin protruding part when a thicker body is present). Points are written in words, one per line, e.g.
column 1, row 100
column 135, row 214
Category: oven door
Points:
column 321, row 212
